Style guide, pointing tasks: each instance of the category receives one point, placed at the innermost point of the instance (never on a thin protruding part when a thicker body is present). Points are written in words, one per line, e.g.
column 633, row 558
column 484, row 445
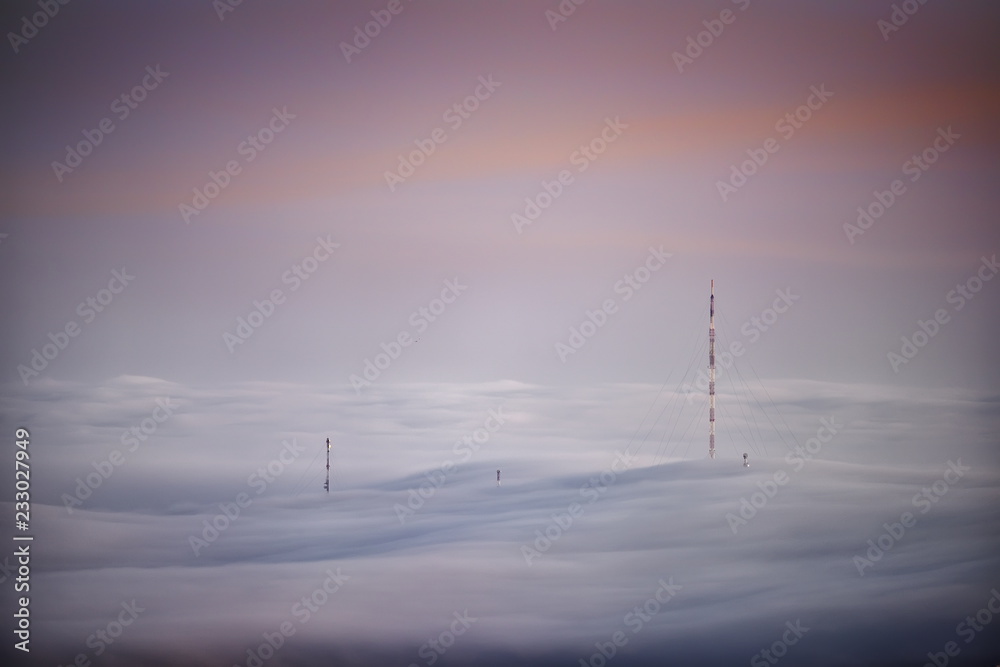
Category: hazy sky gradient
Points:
column 655, row 185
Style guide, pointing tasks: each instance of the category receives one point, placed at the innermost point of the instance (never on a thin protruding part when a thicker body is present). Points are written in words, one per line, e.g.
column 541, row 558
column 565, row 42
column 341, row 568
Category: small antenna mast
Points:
column 327, row 485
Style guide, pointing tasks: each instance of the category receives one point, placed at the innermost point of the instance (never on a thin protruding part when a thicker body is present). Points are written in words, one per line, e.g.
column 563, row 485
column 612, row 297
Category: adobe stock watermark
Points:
column 454, row 116
column 122, row 107
column 634, row 620
column 786, row 126
column 752, row 330
column 797, row 458
column 463, row 449
column 562, row 12
column 435, row 647
column 968, row 630
column 301, row 612
column 104, row 637
column 258, row 481
column 928, row 329
column 248, row 149
column 294, row 277
column 698, row 43
column 779, row 648
column 628, row 286
column 223, row 7
column 924, row 500
column 130, row 440
column 581, row 159
column 88, row 310
column 592, row 491
column 363, row 35
column 914, row 168
column 31, row 25
column 420, row 320
column 898, row 17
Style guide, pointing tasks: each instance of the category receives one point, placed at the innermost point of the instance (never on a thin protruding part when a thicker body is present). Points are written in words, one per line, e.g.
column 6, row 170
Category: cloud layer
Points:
column 550, row 564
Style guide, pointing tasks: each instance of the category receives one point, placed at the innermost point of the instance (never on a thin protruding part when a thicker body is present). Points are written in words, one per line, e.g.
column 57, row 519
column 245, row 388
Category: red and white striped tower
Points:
column 711, row 374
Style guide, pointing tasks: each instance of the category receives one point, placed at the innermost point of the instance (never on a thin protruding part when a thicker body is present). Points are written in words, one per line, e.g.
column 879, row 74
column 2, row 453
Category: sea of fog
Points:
column 190, row 525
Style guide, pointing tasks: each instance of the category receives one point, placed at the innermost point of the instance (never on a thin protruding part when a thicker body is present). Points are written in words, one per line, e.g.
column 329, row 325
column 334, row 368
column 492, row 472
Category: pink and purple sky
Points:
column 656, row 184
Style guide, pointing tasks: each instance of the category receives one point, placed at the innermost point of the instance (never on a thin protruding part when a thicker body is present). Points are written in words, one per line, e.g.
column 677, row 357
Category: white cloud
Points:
column 462, row 548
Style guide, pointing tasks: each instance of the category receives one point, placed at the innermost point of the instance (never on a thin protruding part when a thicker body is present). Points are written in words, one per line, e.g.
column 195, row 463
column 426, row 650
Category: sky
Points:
column 231, row 231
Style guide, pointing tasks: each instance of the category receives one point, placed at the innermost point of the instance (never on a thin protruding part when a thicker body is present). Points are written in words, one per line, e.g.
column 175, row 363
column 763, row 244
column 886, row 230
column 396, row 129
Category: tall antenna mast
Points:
column 711, row 374
column 327, row 485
